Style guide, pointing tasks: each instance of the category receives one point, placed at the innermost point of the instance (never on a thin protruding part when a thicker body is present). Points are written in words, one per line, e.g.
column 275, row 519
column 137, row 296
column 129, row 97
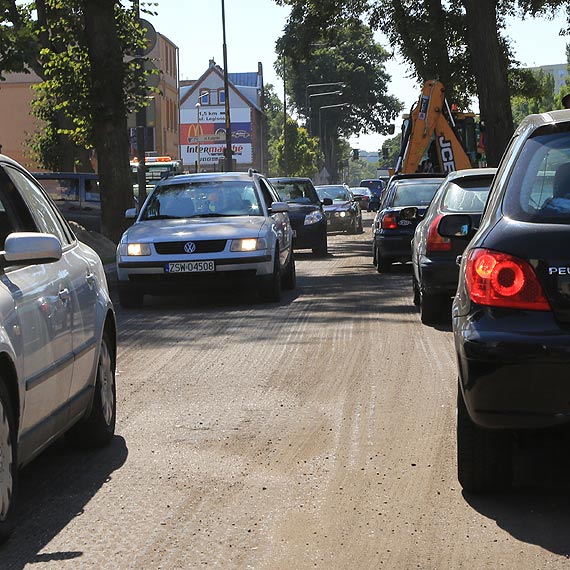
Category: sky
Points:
column 253, row 26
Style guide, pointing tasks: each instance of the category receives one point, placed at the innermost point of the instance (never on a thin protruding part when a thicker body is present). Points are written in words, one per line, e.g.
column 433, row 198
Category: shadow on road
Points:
column 54, row 490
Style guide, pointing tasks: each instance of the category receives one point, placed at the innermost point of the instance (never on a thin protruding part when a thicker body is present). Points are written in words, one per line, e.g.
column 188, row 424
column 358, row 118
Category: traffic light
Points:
column 355, row 154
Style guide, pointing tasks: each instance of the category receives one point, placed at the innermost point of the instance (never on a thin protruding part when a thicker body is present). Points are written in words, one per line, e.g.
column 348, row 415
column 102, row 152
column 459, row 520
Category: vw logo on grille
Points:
column 190, row 247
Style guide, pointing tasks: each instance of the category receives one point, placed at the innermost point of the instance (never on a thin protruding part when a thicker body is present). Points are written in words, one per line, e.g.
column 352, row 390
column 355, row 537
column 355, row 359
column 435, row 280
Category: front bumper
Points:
column 338, row 223
column 513, row 368
column 310, row 236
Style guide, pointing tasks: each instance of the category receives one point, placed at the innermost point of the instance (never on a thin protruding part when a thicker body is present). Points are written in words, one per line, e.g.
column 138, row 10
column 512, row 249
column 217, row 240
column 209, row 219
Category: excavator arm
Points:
column 431, row 122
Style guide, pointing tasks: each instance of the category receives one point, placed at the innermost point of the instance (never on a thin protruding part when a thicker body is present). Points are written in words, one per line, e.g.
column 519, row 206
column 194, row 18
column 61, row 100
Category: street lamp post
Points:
column 228, row 161
column 312, row 86
column 321, row 146
column 198, row 133
column 329, row 93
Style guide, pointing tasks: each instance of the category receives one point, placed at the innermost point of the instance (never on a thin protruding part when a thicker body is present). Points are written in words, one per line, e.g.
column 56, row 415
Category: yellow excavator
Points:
column 435, row 137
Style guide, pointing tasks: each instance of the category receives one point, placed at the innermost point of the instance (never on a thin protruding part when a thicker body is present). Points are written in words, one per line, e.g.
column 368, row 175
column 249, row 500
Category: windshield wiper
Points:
column 162, row 217
column 211, row 215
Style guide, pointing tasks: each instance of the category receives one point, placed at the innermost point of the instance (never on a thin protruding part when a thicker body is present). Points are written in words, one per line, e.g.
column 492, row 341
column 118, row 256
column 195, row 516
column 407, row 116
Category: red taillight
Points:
column 502, row 280
column 435, row 241
column 389, row 222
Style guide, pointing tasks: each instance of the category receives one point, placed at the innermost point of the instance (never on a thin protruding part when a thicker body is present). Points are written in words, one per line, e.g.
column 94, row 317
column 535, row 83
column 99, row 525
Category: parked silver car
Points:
column 57, row 334
column 203, row 230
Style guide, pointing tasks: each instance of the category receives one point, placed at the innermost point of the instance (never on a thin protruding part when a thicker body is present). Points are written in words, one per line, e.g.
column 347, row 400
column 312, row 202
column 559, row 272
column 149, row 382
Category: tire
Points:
column 431, row 308
column 322, row 250
column 353, row 229
column 270, row 286
column 8, row 464
column 374, row 255
column 383, row 264
column 98, row 428
column 289, row 279
column 360, row 226
column 416, row 292
column 484, row 457
column 130, row 298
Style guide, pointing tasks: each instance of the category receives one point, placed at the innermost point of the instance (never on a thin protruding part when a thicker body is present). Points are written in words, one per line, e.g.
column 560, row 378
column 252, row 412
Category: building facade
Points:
column 18, row 124
column 203, row 121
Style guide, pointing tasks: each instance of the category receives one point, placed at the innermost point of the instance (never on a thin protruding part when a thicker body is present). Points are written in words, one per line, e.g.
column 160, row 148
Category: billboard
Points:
column 209, row 134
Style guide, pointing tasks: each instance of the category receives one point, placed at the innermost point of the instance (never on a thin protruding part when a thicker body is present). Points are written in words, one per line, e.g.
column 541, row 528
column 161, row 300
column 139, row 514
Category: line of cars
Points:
column 496, row 240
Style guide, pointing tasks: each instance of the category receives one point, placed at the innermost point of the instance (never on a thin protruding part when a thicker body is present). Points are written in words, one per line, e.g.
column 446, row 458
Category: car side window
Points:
column 268, row 196
column 45, row 214
column 62, row 189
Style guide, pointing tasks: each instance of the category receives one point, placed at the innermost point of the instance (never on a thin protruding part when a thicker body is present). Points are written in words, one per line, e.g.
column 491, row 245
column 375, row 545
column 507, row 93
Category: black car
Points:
column 344, row 213
column 511, row 313
column 376, row 186
column 306, row 213
column 435, row 270
column 392, row 231
column 363, row 196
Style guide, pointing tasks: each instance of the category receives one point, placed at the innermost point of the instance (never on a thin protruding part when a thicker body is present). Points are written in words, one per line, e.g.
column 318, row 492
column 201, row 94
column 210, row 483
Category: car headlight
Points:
column 135, row 249
column 340, row 214
column 249, row 244
column 313, row 218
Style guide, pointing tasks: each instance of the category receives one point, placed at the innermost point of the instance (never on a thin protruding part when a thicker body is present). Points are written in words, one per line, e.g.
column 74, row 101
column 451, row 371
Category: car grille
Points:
column 177, row 247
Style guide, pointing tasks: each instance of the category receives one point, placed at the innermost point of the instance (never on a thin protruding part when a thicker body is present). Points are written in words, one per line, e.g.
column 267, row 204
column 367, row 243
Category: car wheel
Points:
column 383, row 264
column 98, row 428
column 270, row 288
column 129, row 298
column 353, row 229
column 289, row 280
column 8, row 464
column 322, row 250
column 484, row 457
column 416, row 292
column 431, row 308
column 360, row 226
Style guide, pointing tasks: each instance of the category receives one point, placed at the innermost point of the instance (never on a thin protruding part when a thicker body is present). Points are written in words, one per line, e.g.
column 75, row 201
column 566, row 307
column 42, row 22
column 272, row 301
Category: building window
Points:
column 204, row 97
column 221, row 96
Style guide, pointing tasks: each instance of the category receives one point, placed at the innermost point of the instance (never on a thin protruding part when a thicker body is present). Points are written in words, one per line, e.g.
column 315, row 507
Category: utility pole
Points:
column 141, row 124
column 228, row 161
column 285, row 166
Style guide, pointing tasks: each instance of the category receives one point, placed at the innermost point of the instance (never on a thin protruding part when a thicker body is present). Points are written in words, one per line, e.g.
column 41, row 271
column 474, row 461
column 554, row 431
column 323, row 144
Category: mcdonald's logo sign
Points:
column 194, row 130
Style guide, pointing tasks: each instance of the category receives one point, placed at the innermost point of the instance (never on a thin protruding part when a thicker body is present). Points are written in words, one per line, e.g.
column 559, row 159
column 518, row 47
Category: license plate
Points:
column 190, row 266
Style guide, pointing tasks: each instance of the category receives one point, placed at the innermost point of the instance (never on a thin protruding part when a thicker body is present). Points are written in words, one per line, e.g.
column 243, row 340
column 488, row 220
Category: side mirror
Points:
column 409, row 213
column 455, row 225
column 21, row 248
column 131, row 214
column 327, row 202
column 279, row 207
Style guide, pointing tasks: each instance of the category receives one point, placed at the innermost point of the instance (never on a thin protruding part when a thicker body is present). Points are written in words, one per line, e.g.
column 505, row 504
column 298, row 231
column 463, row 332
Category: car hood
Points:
column 205, row 228
column 337, row 206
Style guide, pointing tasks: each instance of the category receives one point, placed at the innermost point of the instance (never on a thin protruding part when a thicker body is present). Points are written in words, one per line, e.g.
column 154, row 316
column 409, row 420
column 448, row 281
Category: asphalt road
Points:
column 313, row 433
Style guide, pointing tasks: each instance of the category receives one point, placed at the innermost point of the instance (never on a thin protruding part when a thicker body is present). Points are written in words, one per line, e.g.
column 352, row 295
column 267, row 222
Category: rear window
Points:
column 414, row 193
column 466, row 195
column 61, row 189
column 538, row 189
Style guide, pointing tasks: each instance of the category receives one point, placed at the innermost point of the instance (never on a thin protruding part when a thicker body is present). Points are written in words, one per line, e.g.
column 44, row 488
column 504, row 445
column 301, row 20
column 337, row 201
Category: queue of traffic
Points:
column 488, row 248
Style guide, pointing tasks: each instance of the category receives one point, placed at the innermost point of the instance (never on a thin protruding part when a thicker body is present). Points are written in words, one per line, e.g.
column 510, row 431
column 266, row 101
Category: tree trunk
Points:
column 109, row 115
column 490, row 69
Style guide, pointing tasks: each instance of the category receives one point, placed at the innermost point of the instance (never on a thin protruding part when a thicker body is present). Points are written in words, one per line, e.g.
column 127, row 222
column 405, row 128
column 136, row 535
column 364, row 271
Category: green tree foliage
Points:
column 297, row 154
column 390, row 152
column 542, row 98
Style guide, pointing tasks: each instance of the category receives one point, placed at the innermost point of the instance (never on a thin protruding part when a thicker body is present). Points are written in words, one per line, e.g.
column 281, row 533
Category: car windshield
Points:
column 466, row 194
column 539, row 186
column 335, row 193
column 203, row 199
column 297, row 192
column 415, row 193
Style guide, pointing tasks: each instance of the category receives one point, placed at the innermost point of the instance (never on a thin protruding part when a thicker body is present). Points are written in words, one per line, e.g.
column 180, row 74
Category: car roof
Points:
column 208, row 177
column 471, row 172
column 289, row 179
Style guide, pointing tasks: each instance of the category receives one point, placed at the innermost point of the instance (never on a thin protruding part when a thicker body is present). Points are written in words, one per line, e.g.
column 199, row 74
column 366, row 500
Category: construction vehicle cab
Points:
column 437, row 137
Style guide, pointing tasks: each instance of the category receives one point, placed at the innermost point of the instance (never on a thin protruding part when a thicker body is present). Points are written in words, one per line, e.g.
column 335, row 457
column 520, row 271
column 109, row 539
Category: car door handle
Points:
column 64, row 294
column 90, row 278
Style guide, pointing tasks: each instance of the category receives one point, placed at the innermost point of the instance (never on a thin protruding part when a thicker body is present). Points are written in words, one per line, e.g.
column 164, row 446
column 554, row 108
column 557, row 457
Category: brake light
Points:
column 435, row 241
column 502, row 280
column 389, row 222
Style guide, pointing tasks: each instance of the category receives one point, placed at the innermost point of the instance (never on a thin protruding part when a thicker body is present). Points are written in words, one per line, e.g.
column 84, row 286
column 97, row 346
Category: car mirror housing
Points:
column 455, row 225
column 409, row 213
column 278, row 207
column 131, row 214
column 22, row 248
